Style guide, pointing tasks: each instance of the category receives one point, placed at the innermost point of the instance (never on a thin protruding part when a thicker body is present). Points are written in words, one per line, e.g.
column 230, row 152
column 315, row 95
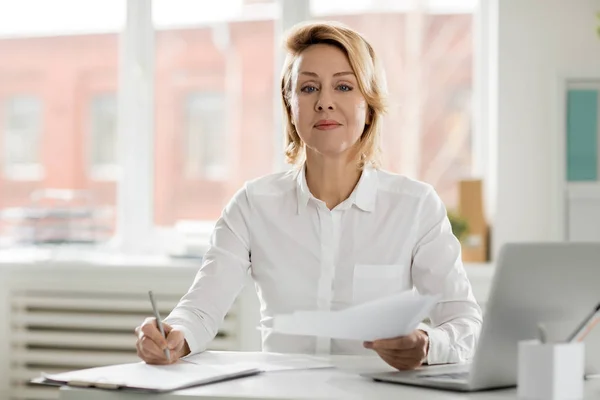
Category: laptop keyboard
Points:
column 450, row 375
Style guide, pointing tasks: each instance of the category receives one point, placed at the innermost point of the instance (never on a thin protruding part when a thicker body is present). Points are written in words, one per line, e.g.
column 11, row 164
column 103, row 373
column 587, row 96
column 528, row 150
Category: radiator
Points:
column 61, row 330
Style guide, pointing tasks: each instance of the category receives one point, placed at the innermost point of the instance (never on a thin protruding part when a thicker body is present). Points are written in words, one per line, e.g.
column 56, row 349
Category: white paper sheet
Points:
column 389, row 317
column 266, row 362
column 151, row 377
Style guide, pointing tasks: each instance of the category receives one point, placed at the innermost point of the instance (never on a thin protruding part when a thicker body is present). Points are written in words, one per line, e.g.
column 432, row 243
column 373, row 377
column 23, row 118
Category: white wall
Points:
column 538, row 41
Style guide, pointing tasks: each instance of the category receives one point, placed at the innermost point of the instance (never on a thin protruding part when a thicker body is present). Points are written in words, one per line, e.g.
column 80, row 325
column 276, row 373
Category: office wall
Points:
column 538, row 41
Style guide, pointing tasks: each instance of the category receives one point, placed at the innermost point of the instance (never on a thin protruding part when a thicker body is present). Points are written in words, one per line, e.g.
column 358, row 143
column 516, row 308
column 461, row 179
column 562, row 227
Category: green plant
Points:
column 459, row 224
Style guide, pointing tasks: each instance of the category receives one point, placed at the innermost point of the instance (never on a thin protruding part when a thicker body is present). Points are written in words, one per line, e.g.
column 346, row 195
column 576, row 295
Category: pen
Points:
column 159, row 322
column 586, row 326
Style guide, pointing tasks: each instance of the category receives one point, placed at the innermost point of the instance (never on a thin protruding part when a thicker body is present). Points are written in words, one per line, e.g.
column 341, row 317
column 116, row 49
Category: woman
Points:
column 335, row 231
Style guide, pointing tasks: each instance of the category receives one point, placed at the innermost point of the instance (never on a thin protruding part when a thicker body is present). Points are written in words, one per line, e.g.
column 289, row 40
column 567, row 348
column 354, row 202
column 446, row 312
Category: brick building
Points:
column 214, row 110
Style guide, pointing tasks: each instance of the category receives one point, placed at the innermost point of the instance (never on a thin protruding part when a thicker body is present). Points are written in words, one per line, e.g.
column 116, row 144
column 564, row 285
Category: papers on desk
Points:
column 265, row 362
column 148, row 378
column 389, row 317
column 195, row 370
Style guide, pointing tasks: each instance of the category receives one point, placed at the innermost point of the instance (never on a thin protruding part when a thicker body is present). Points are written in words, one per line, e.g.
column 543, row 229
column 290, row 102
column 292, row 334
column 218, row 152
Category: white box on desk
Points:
column 550, row 371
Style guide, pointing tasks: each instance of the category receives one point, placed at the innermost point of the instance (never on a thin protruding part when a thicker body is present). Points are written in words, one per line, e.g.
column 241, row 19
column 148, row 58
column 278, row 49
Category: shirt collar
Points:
column 302, row 191
column 363, row 195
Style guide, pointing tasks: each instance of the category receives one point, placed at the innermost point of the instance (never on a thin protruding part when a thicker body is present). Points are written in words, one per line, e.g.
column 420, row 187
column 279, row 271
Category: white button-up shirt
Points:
column 391, row 235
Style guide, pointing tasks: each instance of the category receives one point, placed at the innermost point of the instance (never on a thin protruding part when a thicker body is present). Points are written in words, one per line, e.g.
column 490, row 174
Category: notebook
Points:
column 147, row 378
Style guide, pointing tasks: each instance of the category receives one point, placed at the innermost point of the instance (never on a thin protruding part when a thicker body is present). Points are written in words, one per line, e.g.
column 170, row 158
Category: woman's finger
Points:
column 150, row 348
column 150, row 329
column 399, row 360
column 402, row 354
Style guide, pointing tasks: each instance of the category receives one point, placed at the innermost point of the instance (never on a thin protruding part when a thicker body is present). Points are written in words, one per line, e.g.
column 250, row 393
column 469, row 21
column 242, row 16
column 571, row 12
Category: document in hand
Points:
column 389, row 317
column 147, row 378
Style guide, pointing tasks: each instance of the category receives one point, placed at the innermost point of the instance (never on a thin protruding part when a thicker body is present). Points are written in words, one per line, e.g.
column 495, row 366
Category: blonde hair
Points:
column 369, row 74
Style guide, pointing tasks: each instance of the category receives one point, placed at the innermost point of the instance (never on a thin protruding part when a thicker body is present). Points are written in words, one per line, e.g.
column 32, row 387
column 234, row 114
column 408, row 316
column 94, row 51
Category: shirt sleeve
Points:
column 437, row 269
column 221, row 278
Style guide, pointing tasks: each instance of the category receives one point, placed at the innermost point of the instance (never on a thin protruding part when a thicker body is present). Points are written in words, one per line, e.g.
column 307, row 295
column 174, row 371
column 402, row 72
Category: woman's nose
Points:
column 325, row 101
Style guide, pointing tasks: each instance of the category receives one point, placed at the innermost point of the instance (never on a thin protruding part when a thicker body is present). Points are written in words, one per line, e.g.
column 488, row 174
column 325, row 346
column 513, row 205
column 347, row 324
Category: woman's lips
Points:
column 325, row 125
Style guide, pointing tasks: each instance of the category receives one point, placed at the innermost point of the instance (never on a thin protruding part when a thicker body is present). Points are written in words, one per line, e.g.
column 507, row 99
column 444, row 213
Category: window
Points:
column 22, row 136
column 427, row 131
column 210, row 96
column 451, row 159
column 206, row 136
column 103, row 140
column 53, row 133
column 223, row 64
column 214, row 89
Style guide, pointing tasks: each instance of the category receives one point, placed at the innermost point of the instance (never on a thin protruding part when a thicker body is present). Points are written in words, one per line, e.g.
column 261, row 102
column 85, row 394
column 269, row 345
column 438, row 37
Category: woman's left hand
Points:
column 404, row 352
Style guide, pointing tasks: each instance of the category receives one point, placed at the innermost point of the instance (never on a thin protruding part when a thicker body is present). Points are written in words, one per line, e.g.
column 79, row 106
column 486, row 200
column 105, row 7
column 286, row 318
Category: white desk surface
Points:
column 342, row 382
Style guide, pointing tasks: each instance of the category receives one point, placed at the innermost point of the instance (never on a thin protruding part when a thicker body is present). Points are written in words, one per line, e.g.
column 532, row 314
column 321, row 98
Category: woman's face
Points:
column 328, row 108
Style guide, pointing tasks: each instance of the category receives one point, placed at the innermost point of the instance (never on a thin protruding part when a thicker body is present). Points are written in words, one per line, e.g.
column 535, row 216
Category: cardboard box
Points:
column 470, row 206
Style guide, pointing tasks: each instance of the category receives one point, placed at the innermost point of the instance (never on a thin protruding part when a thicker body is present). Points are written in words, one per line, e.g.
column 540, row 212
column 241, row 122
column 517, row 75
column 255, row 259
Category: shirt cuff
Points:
column 439, row 344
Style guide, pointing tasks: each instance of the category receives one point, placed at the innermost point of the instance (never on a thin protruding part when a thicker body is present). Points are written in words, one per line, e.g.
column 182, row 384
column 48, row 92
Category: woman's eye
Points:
column 308, row 89
column 344, row 88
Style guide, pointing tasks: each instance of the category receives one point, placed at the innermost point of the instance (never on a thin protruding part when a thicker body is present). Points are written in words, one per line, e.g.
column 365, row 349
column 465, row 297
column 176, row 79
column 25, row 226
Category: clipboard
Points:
column 142, row 377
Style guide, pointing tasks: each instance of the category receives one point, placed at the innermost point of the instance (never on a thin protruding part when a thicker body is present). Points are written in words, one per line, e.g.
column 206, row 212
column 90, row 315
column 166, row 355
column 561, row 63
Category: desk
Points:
column 27, row 272
column 339, row 383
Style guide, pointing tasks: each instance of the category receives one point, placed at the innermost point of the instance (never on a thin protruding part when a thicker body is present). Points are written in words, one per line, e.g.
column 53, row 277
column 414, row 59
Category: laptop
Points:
column 556, row 284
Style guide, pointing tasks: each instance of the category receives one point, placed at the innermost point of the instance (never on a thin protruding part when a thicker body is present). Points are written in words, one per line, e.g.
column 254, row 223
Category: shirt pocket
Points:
column 374, row 281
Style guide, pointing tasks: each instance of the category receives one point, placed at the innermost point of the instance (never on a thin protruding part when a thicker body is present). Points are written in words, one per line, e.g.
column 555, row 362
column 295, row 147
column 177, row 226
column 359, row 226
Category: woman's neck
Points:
column 331, row 180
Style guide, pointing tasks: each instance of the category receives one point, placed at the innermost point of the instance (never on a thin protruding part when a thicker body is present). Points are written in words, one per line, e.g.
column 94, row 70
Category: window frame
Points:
column 136, row 79
column 136, row 230
column 485, row 101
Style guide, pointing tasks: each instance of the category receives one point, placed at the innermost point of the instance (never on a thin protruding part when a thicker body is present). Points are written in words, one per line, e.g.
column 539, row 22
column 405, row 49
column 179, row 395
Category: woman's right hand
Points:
column 151, row 344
